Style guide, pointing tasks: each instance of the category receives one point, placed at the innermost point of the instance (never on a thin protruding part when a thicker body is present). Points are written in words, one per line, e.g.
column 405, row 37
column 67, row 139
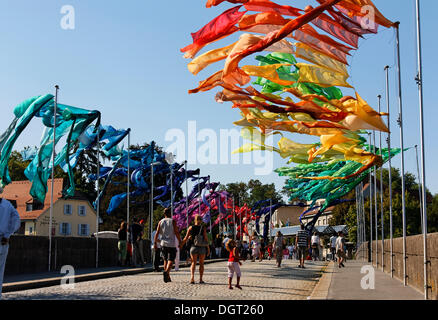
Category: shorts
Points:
column 168, row 253
column 340, row 254
column 233, row 267
column 198, row 250
column 302, row 252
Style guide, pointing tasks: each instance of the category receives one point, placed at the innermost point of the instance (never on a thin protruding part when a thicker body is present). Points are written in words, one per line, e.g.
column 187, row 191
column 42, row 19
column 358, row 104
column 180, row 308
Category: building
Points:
column 72, row 217
column 323, row 219
column 287, row 216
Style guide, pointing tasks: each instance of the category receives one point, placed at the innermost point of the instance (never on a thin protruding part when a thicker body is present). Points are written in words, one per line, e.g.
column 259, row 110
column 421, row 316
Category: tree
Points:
column 252, row 192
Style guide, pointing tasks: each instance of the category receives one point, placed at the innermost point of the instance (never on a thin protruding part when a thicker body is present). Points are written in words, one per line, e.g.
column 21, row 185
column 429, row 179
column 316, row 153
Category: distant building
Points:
column 73, row 217
column 323, row 219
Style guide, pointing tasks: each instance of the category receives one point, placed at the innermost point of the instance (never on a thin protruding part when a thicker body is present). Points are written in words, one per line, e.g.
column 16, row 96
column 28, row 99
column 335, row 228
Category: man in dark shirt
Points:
column 136, row 232
column 302, row 243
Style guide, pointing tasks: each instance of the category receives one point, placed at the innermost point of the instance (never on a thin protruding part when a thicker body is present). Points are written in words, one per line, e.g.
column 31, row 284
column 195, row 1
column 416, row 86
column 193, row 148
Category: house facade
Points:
column 72, row 217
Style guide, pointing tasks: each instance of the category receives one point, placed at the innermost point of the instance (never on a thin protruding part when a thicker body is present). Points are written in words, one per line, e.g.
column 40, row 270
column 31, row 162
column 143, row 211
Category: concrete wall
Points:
column 414, row 261
column 29, row 254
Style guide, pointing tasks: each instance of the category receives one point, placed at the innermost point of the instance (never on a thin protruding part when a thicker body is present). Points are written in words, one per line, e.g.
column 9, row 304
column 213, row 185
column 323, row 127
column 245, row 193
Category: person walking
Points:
column 233, row 264
column 302, row 242
column 136, row 232
column 255, row 245
column 278, row 247
column 122, row 235
column 315, row 246
column 157, row 253
column 167, row 230
column 340, row 249
column 333, row 246
column 199, row 247
column 218, row 246
column 9, row 224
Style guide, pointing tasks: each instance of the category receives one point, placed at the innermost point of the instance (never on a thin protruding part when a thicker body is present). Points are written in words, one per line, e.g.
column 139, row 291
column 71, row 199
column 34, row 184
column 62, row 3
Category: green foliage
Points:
column 252, row 192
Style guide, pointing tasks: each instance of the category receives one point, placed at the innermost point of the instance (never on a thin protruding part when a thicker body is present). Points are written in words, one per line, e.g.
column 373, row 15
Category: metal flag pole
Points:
column 381, row 199
column 370, row 258
column 129, row 178
column 270, row 217
column 419, row 80
column 356, row 192
column 420, row 199
column 391, row 258
column 151, row 203
column 226, row 212
column 171, row 190
column 400, row 123
column 98, row 199
column 234, row 223
column 187, row 193
column 375, row 194
column 209, row 208
column 362, row 225
column 199, row 193
column 375, row 202
column 55, row 109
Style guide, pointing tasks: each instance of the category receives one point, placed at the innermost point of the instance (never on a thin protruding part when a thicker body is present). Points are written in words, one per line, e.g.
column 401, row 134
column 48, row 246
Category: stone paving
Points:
column 260, row 281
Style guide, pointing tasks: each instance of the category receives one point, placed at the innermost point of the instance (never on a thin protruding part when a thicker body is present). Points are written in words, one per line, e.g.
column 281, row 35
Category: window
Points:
column 83, row 229
column 30, row 230
column 82, row 210
column 65, row 229
column 28, row 207
column 67, row 209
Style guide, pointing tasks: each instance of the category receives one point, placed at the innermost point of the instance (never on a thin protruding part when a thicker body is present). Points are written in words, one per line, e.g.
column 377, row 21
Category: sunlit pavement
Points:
column 260, row 281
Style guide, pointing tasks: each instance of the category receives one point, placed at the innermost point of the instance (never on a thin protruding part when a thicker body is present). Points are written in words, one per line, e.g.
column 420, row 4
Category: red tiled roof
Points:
column 20, row 192
column 313, row 212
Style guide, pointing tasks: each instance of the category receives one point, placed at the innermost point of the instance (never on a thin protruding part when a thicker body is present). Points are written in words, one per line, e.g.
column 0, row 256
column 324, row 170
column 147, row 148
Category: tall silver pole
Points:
column 375, row 195
column 423, row 161
column 171, row 190
column 389, row 175
column 234, row 223
column 199, row 193
column 187, row 193
column 55, row 109
column 151, row 202
column 129, row 178
column 420, row 198
column 209, row 209
column 362, row 224
column 371, row 209
column 381, row 199
column 400, row 123
column 98, row 199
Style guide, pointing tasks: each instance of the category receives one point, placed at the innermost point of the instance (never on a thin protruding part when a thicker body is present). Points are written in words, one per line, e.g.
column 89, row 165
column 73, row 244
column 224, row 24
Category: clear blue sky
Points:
column 123, row 59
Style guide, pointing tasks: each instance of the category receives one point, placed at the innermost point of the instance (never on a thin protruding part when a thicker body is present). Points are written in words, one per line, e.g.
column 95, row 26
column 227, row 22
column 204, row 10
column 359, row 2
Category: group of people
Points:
column 169, row 239
column 131, row 251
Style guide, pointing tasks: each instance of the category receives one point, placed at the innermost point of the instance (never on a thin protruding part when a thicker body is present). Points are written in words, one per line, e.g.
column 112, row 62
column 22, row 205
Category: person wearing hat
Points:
column 9, row 223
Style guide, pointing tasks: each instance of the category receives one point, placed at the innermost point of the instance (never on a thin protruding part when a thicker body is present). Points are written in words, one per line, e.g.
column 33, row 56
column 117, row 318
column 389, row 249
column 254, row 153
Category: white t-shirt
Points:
column 315, row 240
column 333, row 241
column 340, row 243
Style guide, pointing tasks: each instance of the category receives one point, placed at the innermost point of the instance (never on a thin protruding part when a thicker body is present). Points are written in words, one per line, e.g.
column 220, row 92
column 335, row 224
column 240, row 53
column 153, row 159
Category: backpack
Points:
column 199, row 240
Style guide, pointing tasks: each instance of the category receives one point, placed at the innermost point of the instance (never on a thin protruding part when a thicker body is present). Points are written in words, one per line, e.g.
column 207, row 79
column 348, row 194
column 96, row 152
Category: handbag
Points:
column 199, row 240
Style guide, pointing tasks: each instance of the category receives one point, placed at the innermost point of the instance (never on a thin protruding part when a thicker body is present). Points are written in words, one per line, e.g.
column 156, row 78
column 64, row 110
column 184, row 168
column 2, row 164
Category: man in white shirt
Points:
column 315, row 246
column 9, row 223
column 340, row 249
column 333, row 246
